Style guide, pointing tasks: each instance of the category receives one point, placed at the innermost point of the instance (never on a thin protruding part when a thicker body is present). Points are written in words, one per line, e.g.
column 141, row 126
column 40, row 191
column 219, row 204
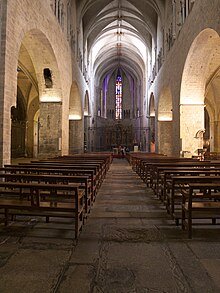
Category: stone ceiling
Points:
column 120, row 33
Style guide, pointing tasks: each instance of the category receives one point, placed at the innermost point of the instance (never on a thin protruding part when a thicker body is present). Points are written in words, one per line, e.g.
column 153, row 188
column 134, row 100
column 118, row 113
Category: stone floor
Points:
column 128, row 245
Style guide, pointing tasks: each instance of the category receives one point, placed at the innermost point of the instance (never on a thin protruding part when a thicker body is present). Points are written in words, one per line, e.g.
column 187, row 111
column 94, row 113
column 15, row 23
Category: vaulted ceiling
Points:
column 119, row 33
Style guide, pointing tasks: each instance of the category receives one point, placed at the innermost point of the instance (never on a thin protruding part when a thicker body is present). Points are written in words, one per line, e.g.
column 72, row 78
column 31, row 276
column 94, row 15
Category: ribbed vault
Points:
column 119, row 33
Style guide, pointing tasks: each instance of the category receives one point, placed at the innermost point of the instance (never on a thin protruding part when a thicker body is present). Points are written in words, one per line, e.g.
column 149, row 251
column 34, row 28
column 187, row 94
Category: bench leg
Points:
column 6, row 217
column 183, row 218
column 190, row 224
column 177, row 221
column 213, row 221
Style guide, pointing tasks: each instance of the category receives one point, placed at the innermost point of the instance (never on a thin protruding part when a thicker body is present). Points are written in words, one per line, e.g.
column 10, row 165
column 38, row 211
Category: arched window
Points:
column 118, row 98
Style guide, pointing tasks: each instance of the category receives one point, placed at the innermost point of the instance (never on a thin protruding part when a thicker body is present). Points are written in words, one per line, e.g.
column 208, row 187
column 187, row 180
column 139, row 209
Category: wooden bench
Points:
column 101, row 165
column 62, row 200
column 180, row 185
column 105, row 158
column 200, row 199
column 31, row 177
column 157, row 168
column 164, row 183
column 96, row 168
column 57, row 169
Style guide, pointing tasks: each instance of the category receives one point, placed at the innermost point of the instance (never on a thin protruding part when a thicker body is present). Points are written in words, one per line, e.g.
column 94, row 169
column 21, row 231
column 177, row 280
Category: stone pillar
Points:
column 6, row 93
column 191, row 123
column 165, row 141
column 50, row 130
column 86, row 132
column 76, row 136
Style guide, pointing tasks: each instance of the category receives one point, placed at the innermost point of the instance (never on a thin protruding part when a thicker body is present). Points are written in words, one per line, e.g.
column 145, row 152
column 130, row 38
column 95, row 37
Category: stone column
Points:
column 165, row 141
column 191, row 124
column 5, row 116
column 50, row 129
column 76, row 136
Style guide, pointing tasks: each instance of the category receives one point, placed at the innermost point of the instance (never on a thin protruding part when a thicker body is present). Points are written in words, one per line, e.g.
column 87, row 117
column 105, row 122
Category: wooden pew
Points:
column 181, row 184
column 106, row 157
column 102, row 160
column 155, row 169
column 80, row 166
column 31, row 177
column 59, row 169
column 55, row 204
column 148, row 171
column 164, row 182
column 200, row 202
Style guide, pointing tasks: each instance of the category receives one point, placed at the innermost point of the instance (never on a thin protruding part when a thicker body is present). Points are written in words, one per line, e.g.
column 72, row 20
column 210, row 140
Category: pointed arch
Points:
column 86, row 109
column 152, row 121
column 152, row 106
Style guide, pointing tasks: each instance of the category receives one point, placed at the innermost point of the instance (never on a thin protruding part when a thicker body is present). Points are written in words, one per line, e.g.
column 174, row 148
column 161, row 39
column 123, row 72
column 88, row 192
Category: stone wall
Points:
column 27, row 19
column 203, row 15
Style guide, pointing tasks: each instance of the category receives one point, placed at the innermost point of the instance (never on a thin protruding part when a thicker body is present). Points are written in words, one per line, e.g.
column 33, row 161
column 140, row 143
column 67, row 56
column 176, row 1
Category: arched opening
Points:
column 151, row 138
column 198, row 88
column 86, row 121
column 38, row 82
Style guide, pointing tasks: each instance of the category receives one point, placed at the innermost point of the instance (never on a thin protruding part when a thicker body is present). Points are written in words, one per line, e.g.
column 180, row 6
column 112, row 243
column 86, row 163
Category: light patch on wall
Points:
column 164, row 118
column 75, row 117
column 193, row 100
column 48, row 98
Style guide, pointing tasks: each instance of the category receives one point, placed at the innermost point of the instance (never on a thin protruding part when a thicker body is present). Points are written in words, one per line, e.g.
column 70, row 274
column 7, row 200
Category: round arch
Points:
column 202, row 63
column 43, row 70
column 38, row 79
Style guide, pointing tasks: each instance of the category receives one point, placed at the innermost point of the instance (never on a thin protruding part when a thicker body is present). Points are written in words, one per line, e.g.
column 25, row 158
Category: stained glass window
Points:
column 118, row 98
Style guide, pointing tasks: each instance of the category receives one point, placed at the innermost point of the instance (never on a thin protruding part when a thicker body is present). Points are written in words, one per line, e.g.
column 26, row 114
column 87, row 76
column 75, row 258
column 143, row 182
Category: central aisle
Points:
column 128, row 244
